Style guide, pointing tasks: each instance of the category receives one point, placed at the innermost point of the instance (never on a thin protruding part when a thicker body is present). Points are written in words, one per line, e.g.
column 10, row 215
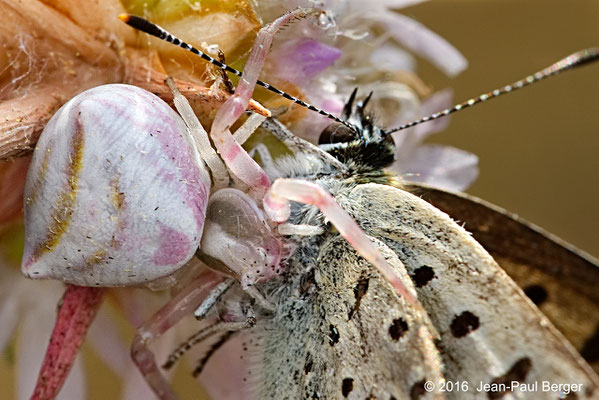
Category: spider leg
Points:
column 284, row 190
column 234, row 156
column 215, row 295
column 77, row 310
column 217, row 345
column 178, row 307
column 220, row 327
column 265, row 157
column 249, row 126
column 200, row 138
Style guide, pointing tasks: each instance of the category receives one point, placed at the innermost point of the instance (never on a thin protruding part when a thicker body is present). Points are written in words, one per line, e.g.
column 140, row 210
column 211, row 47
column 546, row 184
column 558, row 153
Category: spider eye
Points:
column 336, row 133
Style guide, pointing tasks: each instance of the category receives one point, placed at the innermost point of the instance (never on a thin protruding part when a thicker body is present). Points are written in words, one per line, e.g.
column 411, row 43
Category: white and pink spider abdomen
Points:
column 115, row 194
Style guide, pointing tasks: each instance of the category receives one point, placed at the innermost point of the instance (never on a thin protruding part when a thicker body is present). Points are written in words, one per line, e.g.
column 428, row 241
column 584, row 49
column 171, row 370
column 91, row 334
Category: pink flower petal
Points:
column 226, row 374
column 442, row 166
column 301, row 59
column 421, row 40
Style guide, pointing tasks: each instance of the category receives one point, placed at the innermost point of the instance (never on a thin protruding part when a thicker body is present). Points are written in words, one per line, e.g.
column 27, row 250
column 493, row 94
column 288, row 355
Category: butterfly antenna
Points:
column 150, row 28
column 574, row 60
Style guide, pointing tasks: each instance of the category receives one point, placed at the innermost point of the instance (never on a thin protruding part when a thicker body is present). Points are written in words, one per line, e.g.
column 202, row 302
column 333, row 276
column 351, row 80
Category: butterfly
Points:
column 338, row 330
column 297, row 366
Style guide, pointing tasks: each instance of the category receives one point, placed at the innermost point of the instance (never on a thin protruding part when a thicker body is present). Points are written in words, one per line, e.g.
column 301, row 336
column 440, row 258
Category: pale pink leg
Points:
column 183, row 304
column 77, row 311
column 284, row 190
column 200, row 137
column 265, row 157
column 243, row 133
column 235, row 157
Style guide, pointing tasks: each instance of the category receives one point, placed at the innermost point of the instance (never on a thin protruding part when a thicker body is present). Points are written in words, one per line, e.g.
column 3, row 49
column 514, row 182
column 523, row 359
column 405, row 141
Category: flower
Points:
column 365, row 47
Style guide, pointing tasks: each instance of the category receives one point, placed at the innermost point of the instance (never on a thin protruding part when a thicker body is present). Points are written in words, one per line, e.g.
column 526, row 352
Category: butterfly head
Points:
column 365, row 146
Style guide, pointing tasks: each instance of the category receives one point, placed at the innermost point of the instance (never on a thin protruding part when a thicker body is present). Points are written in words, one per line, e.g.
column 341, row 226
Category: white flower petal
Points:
column 105, row 339
column 407, row 140
column 421, row 40
column 8, row 313
column 442, row 166
column 391, row 58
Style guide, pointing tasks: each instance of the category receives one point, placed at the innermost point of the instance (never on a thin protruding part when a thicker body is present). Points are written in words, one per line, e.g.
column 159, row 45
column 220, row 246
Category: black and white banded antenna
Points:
column 572, row 61
column 150, row 28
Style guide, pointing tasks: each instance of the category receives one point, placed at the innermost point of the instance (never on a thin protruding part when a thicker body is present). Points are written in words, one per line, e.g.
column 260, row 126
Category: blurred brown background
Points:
column 537, row 147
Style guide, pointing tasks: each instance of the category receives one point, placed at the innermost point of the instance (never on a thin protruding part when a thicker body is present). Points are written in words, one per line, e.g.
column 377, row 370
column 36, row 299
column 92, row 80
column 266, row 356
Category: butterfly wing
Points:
column 560, row 279
column 490, row 331
column 340, row 331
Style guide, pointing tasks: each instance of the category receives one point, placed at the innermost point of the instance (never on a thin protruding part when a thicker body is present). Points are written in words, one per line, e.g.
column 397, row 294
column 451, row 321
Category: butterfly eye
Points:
column 336, row 133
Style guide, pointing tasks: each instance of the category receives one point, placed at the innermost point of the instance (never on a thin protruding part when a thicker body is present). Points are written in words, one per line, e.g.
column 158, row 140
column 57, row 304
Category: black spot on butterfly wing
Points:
column 398, row 328
column 517, row 372
column 403, row 215
column 590, row 350
column 423, row 275
column 347, row 386
column 536, row 293
column 333, row 336
column 417, row 390
column 359, row 292
column 464, row 324
column 313, row 334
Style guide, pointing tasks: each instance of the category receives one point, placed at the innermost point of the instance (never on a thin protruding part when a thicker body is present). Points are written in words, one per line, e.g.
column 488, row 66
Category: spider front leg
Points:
column 234, row 156
column 276, row 204
column 178, row 307
column 77, row 310
column 216, row 329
